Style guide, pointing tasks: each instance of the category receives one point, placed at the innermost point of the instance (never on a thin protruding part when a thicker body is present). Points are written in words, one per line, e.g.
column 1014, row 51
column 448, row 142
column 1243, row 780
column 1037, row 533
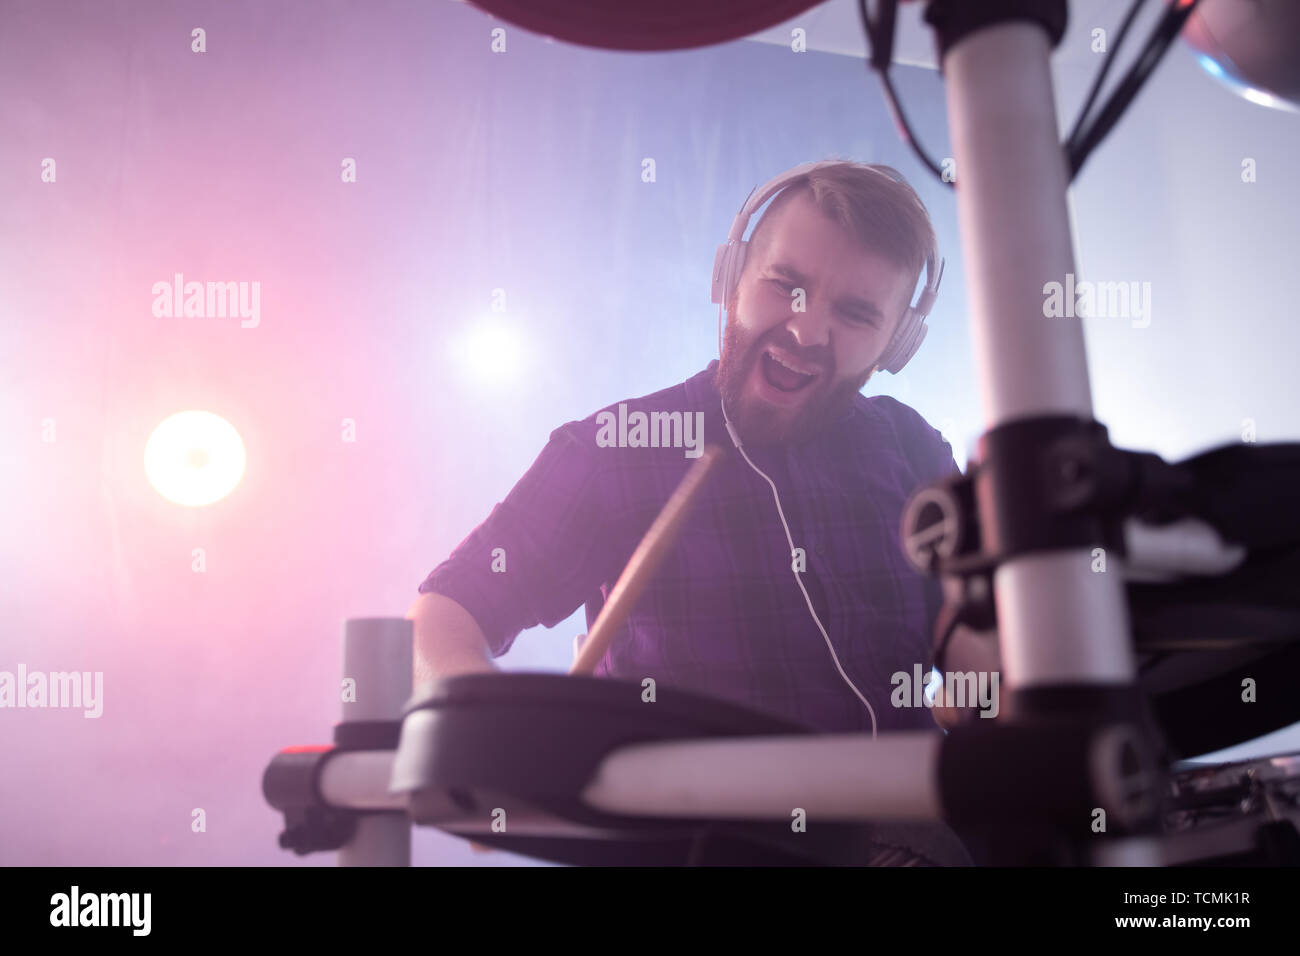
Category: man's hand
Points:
column 950, row 717
column 970, row 651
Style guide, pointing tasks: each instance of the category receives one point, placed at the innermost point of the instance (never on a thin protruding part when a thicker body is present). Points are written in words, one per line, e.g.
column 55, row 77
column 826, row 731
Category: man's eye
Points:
column 783, row 285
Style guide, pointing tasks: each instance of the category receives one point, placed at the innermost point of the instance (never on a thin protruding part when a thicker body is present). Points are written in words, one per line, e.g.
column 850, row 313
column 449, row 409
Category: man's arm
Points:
column 448, row 640
column 533, row 560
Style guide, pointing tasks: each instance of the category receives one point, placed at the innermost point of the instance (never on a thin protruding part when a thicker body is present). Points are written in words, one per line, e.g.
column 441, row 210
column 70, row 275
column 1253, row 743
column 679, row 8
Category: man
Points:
column 812, row 623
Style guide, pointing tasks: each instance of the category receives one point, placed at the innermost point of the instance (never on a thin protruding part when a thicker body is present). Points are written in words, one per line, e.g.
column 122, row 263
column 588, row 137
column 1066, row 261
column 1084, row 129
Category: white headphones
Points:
column 729, row 262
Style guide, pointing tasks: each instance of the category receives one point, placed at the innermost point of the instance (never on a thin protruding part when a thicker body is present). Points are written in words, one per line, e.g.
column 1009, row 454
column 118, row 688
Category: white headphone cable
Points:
column 735, row 440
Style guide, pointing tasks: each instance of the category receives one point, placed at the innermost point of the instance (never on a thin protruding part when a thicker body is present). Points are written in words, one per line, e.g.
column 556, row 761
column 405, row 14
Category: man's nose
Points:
column 811, row 327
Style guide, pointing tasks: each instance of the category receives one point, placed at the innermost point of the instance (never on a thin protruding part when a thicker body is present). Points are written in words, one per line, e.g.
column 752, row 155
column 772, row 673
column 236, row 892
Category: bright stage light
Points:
column 194, row 458
column 491, row 351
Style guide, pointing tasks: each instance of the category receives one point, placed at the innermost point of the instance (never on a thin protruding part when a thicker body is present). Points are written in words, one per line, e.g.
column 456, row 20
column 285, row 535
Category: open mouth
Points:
column 784, row 374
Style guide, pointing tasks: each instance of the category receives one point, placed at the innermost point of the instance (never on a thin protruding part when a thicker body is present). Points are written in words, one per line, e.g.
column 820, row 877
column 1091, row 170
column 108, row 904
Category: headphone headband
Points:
column 729, row 263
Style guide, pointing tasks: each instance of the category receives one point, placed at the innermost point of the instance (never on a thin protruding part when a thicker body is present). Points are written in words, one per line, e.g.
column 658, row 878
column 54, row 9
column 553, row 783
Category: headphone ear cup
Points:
column 907, row 339
column 908, row 348
column 721, row 267
column 728, row 264
column 736, row 266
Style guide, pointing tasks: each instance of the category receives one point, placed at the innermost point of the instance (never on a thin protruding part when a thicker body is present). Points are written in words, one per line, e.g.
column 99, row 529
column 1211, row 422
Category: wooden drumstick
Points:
column 645, row 561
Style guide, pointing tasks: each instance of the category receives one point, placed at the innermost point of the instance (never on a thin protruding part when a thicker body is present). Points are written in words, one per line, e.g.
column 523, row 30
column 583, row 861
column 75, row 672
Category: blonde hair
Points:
column 882, row 211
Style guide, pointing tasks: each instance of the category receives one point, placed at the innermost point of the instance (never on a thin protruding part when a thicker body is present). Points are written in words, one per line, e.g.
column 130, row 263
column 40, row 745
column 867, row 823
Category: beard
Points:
column 760, row 423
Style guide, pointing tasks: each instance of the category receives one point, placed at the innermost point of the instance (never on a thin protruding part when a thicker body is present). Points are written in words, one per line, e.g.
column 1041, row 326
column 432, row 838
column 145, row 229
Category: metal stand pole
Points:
column 1063, row 627
column 377, row 661
column 1058, row 620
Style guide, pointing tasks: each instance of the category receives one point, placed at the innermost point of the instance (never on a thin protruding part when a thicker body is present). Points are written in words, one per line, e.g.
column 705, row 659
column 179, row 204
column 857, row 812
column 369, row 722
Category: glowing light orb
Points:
column 194, row 458
column 490, row 352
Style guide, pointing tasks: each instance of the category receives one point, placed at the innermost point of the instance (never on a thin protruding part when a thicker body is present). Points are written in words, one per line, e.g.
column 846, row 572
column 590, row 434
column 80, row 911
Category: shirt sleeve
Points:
column 934, row 458
column 924, row 446
column 537, row 556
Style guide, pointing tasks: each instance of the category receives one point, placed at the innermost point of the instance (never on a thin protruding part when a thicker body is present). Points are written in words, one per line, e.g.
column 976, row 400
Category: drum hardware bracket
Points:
column 1094, row 779
column 1060, row 485
column 291, row 784
column 1043, row 484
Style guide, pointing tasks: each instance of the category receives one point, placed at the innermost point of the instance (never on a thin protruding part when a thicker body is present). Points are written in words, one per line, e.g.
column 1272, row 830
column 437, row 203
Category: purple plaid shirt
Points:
column 724, row 615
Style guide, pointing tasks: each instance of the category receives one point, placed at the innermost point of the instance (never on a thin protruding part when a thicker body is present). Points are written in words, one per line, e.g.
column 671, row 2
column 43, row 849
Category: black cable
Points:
column 950, row 616
column 1083, row 138
column 880, row 43
column 905, row 129
column 1111, row 54
column 1171, row 23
